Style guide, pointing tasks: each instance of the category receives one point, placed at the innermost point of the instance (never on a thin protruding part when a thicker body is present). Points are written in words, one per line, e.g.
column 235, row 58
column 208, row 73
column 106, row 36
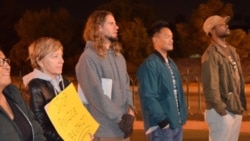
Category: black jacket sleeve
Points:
column 42, row 92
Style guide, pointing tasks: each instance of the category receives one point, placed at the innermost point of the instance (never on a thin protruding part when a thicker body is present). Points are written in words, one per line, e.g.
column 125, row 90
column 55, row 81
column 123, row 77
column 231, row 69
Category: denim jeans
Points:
column 167, row 134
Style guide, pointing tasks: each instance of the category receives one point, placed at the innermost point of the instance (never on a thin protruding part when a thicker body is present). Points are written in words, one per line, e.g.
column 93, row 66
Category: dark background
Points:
column 167, row 9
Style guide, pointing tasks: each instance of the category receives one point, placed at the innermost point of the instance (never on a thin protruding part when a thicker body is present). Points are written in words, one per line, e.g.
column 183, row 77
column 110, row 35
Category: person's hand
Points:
column 223, row 113
column 127, row 134
column 131, row 111
column 126, row 124
column 91, row 137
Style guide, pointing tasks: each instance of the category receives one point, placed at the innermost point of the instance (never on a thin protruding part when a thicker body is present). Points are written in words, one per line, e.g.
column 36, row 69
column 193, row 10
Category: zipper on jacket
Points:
column 32, row 129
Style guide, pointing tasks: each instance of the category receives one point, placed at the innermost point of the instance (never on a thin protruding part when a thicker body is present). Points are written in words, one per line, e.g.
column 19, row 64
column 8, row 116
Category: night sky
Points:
column 169, row 9
column 80, row 10
column 166, row 9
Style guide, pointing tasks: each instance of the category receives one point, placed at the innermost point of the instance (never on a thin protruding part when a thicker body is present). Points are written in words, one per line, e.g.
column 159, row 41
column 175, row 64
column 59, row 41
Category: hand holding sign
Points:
column 69, row 116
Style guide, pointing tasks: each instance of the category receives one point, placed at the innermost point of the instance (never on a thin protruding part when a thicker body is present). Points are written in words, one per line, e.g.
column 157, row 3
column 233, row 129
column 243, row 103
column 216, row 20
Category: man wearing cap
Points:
column 223, row 83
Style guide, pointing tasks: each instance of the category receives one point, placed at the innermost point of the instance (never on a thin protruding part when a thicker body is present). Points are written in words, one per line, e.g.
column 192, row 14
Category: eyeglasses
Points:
column 3, row 61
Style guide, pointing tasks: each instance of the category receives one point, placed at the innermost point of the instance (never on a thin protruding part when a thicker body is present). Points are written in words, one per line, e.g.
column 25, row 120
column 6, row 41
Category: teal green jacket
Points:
column 156, row 93
column 8, row 129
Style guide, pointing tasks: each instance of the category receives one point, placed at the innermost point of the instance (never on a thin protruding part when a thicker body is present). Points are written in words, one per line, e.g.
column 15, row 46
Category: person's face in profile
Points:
column 109, row 29
column 164, row 39
column 4, row 71
column 221, row 30
column 52, row 64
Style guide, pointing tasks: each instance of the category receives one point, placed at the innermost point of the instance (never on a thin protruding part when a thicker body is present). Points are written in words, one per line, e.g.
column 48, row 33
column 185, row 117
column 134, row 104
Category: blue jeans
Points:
column 167, row 134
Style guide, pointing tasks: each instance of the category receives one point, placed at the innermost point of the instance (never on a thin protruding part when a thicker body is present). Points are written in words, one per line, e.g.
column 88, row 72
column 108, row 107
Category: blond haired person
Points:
column 46, row 81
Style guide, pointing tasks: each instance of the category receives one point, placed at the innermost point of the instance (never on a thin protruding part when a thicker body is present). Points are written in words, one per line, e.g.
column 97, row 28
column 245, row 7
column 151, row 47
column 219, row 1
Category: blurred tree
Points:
column 128, row 10
column 136, row 43
column 246, row 45
column 33, row 25
column 192, row 39
column 9, row 15
column 241, row 40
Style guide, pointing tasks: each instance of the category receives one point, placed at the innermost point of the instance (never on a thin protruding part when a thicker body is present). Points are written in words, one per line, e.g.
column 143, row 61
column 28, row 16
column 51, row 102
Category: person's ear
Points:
column 40, row 62
column 212, row 31
column 154, row 39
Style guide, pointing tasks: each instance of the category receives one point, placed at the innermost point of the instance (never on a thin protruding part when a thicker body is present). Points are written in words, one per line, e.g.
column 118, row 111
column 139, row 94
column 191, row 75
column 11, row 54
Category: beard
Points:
column 111, row 39
column 224, row 34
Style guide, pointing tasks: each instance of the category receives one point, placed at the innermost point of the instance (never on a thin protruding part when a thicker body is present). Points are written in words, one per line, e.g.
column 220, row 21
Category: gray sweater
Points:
column 90, row 70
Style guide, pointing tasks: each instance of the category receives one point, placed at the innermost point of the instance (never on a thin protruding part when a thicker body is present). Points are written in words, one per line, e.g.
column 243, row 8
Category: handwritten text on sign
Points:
column 69, row 116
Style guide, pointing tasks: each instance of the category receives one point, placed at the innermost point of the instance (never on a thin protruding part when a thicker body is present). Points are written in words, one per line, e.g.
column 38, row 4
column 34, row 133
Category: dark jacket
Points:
column 8, row 130
column 42, row 92
column 156, row 93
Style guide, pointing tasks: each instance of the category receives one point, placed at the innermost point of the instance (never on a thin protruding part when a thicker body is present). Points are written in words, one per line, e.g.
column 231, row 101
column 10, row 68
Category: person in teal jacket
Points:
column 160, row 89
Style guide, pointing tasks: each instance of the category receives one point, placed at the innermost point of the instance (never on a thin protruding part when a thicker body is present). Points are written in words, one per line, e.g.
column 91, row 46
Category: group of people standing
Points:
column 102, row 64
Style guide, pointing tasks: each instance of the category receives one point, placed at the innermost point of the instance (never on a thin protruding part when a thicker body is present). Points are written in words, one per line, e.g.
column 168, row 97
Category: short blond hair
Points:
column 41, row 48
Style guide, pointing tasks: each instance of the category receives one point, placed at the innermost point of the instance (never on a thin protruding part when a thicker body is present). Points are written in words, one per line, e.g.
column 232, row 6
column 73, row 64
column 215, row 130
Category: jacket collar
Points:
column 219, row 48
column 157, row 53
column 10, row 92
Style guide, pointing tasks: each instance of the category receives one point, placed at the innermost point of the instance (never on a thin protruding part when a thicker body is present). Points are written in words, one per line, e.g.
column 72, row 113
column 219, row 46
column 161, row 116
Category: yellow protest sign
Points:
column 69, row 116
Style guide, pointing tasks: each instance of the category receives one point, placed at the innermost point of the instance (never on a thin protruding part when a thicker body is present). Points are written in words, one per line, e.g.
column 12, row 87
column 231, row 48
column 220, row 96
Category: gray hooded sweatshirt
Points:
column 39, row 74
column 91, row 69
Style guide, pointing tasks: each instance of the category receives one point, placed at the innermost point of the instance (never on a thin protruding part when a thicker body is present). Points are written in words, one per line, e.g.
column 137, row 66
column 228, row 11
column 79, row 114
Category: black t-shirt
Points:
column 21, row 122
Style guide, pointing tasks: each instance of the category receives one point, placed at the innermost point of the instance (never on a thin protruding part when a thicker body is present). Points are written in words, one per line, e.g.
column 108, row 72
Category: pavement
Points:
column 193, row 131
column 198, row 125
